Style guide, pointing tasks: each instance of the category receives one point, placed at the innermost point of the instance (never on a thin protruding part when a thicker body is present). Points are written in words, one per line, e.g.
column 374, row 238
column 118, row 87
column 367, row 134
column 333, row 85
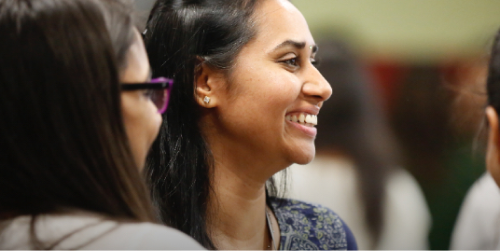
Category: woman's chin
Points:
column 304, row 156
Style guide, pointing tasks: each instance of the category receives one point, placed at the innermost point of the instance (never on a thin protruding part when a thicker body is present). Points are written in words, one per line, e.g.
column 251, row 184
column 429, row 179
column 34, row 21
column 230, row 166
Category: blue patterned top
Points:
column 305, row 226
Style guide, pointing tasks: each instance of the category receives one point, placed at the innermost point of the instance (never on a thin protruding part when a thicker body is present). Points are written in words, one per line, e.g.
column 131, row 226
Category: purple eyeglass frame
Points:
column 160, row 83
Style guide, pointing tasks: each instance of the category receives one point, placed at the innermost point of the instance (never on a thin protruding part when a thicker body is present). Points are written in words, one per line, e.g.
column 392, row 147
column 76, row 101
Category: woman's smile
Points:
column 306, row 128
column 304, row 121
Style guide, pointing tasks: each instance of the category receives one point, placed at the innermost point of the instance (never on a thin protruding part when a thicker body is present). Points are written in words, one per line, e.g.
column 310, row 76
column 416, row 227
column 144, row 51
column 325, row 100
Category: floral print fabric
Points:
column 306, row 226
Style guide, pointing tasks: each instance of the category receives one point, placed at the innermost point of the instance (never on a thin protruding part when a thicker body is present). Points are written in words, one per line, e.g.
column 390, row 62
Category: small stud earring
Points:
column 206, row 100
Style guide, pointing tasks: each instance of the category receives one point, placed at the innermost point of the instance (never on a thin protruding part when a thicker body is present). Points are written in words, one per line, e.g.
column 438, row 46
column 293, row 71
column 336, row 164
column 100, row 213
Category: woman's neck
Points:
column 237, row 212
column 237, row 206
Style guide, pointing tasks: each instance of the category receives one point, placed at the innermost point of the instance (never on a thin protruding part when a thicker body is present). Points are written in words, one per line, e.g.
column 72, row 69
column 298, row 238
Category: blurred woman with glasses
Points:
column 79, row 113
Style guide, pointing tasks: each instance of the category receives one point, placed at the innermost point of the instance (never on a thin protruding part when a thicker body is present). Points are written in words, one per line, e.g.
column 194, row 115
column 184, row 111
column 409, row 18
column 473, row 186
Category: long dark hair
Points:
column 493, row 80
column 181, row 35
column 62, row 136
column 351, row 121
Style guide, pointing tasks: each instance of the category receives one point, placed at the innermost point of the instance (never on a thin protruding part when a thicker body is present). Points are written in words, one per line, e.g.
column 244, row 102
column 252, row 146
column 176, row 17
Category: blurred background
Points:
column 427, row 62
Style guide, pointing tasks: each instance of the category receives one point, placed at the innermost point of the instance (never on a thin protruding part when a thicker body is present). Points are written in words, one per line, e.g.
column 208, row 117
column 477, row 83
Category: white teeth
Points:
column 303, row 118
column 309, row 119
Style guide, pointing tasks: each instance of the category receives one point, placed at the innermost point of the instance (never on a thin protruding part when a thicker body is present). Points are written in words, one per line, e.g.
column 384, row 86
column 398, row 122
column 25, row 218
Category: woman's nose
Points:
column 316, row 86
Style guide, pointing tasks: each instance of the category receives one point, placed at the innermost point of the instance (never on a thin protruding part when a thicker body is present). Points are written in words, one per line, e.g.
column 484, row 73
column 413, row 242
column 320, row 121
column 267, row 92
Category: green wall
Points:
column 410, row 30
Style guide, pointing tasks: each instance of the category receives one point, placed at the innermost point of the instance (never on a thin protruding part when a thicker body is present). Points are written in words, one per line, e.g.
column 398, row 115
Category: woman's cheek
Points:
column 155, row 119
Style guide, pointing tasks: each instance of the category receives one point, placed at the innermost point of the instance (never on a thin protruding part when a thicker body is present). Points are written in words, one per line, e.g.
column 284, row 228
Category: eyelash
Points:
column 288, row 62
column 294, row 60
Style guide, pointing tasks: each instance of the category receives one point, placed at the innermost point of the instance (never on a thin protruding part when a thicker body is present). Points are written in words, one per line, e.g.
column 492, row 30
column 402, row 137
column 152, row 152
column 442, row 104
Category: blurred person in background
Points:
column 244, row 107
column 78, row 118
column 478, row 224
column 355, row 171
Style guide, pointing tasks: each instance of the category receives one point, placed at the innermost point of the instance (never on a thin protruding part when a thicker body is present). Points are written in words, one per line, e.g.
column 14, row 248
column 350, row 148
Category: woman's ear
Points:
column 493, row 154
column 208, row 85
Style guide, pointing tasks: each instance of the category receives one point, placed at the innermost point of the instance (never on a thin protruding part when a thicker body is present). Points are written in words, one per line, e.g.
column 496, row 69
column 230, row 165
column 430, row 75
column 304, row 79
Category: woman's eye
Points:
column 294, row 62
column 147, row 93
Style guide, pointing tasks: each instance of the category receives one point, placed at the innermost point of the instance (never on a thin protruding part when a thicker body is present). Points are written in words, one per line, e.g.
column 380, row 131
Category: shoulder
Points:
column 479, row 217
column 310, row 226
column 290, row 207
column 401, row 182
column 405, row 198
column 482, row 200
column 145, row 236
column 407, row 218
column 83, row 230
column 484, row 191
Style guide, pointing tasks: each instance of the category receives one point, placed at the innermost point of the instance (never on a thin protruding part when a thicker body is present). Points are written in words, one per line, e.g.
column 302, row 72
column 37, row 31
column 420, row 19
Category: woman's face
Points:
column 140, row 115
column 274, row 87
column 493, row 150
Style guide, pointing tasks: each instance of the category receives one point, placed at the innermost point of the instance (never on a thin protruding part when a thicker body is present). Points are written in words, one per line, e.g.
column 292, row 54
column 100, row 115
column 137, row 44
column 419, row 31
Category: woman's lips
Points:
column 306, row 128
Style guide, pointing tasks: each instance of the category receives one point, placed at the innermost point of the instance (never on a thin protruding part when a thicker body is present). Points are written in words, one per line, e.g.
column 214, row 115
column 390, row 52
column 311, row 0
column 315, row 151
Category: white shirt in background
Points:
column 478, row 223
column 332, row 182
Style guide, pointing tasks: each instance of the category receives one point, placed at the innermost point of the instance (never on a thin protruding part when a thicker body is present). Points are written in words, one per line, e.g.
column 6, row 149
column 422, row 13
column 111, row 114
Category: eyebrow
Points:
column 298, row 45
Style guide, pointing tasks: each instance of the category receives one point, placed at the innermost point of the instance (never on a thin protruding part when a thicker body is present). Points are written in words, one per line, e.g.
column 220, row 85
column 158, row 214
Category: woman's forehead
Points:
column 278, row 21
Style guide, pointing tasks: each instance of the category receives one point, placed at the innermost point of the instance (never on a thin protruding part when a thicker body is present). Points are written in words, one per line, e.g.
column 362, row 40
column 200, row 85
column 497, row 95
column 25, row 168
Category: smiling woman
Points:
column 245, row 105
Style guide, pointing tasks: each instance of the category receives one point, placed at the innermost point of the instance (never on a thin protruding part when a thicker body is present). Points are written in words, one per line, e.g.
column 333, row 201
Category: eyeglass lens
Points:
column 160, row 96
